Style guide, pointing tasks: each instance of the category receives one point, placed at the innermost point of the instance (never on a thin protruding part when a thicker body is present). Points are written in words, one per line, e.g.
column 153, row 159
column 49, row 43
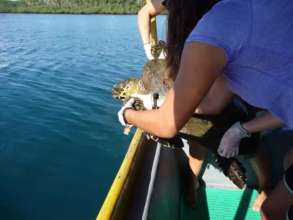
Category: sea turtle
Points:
column 206, row 130
column 156, row 80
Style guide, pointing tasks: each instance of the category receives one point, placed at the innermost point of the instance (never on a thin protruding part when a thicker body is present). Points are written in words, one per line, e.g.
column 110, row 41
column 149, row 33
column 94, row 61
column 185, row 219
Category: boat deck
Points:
column 213, row 204
column 219, row 199
column 223, row 204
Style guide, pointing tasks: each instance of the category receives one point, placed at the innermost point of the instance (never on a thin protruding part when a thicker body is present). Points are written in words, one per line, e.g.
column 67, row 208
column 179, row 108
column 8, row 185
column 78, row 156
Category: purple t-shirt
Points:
column 257, row 36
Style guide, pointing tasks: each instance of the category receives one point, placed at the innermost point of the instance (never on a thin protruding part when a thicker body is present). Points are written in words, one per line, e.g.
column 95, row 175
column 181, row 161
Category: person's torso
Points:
column 266, row 58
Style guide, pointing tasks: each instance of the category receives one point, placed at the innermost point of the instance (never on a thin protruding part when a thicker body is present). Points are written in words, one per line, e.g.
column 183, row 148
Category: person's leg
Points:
column 281, row 197
column 196, row 158
column 260, row 166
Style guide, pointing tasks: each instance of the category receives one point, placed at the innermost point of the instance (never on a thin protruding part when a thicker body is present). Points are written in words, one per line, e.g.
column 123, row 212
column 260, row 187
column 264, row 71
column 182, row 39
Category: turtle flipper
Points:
column 233, row 169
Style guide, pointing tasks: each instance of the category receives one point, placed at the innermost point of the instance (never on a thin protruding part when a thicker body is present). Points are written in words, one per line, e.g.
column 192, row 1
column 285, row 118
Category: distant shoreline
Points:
column 67, row 13
column 40, row 9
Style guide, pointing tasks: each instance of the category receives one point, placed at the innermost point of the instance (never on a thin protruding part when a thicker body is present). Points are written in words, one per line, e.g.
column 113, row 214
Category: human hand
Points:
column 159, row 50
column 152, row 50
column 148, row 100
column 229, row 145
column 121, row 118
column 148, row 51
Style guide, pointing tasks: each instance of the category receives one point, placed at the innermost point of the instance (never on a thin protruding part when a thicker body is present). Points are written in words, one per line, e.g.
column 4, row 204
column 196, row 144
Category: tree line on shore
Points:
column 71, row 6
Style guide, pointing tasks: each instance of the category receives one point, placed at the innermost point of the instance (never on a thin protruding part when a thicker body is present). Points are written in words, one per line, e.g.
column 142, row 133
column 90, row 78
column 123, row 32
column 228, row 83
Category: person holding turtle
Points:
column 180, row 25
column 149, row 10
column 233, row 40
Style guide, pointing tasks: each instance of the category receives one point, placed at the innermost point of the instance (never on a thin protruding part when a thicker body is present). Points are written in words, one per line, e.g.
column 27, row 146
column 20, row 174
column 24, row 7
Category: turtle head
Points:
column 125, row 88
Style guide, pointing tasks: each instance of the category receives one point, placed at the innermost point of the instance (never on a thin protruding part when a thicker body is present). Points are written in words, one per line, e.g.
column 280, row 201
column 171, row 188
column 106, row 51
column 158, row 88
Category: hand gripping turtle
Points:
column 146, row 102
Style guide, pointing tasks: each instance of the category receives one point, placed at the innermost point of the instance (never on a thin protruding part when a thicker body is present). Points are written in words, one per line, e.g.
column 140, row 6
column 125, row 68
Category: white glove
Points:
column 148, row 100
column 148, row 51
column 162, row 55
column 229, row 145
column 121, row 118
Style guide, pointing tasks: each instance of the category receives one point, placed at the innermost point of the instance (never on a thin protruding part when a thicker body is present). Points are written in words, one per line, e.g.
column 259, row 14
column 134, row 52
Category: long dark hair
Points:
column 182, row 18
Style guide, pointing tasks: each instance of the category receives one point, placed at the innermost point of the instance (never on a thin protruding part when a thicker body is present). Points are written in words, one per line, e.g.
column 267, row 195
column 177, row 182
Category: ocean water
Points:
column 60, row 141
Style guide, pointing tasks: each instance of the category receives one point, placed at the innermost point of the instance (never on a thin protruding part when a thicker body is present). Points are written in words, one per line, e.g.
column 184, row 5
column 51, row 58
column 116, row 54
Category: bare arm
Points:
column 201, row 65
column 152, row 8
column 263, row 122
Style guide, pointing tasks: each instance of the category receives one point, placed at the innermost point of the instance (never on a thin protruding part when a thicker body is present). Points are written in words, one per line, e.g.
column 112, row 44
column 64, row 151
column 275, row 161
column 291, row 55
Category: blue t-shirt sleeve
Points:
column 227, row 25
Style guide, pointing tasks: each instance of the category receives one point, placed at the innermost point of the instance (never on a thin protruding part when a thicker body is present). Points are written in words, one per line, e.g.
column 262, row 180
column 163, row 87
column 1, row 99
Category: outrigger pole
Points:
column 154, row 35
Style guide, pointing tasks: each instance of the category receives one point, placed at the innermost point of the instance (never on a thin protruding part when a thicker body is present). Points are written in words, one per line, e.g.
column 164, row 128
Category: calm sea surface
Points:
column 60, row 142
